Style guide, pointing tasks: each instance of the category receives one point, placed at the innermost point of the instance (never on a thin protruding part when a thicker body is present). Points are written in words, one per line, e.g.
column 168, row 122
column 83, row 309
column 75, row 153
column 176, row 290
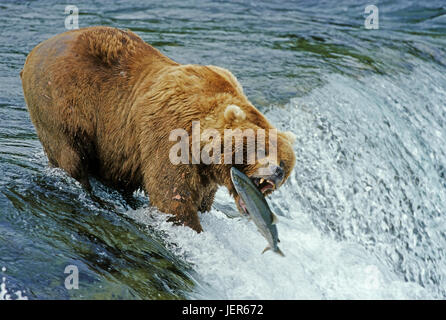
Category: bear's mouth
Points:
column 265, row 186
column 251, row 190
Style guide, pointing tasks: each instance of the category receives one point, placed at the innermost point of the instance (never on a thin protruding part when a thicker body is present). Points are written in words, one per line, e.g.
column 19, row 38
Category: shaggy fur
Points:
column 104, row 103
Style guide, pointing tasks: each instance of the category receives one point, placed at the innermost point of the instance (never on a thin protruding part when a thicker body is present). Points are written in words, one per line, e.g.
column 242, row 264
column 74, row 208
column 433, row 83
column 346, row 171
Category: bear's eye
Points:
column 282, row 164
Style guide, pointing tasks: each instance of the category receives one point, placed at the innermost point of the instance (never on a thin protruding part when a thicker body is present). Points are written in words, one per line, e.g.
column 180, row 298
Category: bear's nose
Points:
column 277, row 174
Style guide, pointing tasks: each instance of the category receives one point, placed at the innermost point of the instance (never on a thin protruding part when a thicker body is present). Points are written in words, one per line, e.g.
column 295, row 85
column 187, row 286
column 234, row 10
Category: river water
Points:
column 363, row 214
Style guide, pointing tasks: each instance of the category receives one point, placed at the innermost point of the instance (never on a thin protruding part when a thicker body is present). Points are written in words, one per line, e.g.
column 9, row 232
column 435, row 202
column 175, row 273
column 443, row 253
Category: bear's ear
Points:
column 291, row 137
column 234, row 113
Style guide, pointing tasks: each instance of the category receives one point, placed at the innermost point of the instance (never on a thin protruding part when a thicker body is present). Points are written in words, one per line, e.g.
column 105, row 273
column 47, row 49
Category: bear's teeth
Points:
column 261, row 180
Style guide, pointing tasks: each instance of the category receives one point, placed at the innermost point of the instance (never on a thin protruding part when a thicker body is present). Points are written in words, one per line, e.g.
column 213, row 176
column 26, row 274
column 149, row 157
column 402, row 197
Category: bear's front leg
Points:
column 175, row 197
column 185, row 213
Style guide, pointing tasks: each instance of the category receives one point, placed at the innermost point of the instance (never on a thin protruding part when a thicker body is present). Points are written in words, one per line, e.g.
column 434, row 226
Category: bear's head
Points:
column 266, row 155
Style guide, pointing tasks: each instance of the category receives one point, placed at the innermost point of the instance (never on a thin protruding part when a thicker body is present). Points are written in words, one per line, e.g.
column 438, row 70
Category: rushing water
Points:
column 362, row 215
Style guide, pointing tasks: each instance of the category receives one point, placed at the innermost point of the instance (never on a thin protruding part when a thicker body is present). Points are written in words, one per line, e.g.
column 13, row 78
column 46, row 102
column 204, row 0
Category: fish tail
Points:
column 280, row 252
column 266, row 249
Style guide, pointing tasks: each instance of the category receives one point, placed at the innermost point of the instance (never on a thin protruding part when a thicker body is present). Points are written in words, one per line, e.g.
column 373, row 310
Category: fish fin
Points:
column 266, row 249
column 280, row 252
column 275, row 219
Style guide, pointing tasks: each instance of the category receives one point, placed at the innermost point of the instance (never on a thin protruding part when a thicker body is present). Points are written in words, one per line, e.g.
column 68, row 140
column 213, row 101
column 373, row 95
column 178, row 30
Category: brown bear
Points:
column 104, row 103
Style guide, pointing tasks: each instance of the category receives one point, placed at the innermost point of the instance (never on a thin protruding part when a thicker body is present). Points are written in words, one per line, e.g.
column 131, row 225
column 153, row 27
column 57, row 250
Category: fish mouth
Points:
column 265, row 186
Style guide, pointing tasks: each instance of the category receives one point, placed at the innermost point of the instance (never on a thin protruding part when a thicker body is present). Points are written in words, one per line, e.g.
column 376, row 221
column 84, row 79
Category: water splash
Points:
column 4, row 295
column 371, row 167
column 228, row 262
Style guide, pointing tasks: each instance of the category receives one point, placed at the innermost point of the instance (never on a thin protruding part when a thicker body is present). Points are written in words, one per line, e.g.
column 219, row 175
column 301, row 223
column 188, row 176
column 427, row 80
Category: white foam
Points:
column 4, row 295
column 229, row 264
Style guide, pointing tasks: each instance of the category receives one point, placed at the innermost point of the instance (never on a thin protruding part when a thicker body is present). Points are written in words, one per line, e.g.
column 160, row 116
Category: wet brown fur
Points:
column 104, row 103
